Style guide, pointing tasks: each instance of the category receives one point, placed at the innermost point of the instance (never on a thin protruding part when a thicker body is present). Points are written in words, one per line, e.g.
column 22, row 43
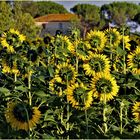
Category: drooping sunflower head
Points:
column 104, row 87
column 65, row 73
column 136, row 111
column 134, row 61
column 81, row 49
column 32, row 56
column 10, row 69
column 79, row 96
column 57, row 87
column 97, row 63
column 63, row 42
column 113, row 36
column 21, row 115
column 97, row 40
column 16, row 33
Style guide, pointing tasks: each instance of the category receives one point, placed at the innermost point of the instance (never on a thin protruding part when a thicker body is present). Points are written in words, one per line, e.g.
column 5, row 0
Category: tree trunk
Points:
column 85, row 31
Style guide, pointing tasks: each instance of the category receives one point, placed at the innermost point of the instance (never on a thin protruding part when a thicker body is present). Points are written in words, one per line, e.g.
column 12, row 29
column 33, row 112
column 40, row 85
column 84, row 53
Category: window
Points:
column 60, row 26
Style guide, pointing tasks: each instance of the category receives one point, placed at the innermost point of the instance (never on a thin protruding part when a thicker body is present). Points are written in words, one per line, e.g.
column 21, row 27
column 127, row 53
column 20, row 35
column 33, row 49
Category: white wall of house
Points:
column 52, row 27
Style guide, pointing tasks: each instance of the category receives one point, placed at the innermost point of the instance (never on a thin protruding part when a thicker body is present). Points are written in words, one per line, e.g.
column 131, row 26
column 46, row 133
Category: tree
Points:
column 29, row 7
column 137, row 18
column 120, row 12
column 24, row 22
column 41, row 8
column 6, row 16
column 89, row 15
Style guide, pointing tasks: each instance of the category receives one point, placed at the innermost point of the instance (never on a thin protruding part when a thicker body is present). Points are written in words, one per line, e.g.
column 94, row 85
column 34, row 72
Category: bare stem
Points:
column 29, row 87
column 104, row 116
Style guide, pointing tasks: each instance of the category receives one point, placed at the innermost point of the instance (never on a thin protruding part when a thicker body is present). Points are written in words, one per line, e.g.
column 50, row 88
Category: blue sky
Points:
column 69, row 4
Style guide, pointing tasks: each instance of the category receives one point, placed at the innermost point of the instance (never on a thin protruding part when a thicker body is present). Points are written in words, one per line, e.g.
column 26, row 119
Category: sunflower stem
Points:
column 15, row 78
column 110, row 42
column 124, row 59
column 86, row 117
column 29, row 87
column 121, row 117
column 104, row 115
column 68, row 114
column 55, row 50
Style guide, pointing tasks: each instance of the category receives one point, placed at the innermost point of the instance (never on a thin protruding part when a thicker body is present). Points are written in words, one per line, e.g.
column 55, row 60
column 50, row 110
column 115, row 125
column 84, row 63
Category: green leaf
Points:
column 41, row 94
column 22, row 88
column 130, row 85
column 42, row 79
column 51, row 71
column 4, row 91
column 120, row 51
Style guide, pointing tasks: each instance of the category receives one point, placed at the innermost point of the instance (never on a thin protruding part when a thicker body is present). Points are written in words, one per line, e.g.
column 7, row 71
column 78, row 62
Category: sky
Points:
column 70, row 3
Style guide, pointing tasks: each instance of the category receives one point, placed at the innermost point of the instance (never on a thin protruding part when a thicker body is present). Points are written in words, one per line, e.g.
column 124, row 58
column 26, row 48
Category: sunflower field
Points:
column 67, row 87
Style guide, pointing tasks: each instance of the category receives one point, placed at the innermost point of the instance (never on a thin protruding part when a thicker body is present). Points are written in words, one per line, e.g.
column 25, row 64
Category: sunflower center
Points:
column 136, row 60
column 97, row 64
column 59, row 86
column 95, row 41
column 23, row 112
column 32, row 55
column 103, row 85
column 66, row 74
column 80, row 95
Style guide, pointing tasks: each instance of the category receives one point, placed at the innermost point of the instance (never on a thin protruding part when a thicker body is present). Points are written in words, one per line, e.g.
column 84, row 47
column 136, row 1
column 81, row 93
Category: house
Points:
column 52, row 23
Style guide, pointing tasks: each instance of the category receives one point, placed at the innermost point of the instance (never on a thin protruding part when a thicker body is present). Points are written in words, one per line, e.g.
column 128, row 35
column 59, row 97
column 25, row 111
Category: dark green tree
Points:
column 120, row 12
column 24, row 22
column 89, row 15
column 41, row 8
column 137, row 18
column 6, row 16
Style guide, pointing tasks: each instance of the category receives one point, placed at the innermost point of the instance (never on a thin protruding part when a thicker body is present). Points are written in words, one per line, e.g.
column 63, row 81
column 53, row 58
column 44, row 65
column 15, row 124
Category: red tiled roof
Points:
column 55, row 17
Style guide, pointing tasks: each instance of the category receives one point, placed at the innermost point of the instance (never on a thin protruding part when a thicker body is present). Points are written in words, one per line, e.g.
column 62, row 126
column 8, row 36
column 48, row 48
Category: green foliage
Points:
column 24, row 22
column 41, row 8
column 89, row 15
column 15, row 18
column 120, row 12
column 6, row 16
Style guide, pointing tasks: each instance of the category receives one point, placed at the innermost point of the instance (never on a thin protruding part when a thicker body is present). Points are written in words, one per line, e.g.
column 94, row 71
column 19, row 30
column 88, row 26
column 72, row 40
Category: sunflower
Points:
column 79, row 96
column 10, row 70
column 104, row 87
column 13, row 31
column 118, row 65
column 114, row 36
column 81, row 49
column 21, row 115
column 126, row 40
column 4, row 43
column 97, row 40
column 56, row 87
column 134, row 61
column 11, row 40
column 65, row 73
column 22, row 37
column 136, row 111
column 96, row 63
column 6, row 69
column 14, row 69
column 63, row 42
